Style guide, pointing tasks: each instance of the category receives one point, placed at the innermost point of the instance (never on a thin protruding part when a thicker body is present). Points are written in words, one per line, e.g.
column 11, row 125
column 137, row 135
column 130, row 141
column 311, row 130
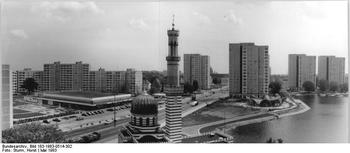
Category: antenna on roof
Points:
column 173, row 24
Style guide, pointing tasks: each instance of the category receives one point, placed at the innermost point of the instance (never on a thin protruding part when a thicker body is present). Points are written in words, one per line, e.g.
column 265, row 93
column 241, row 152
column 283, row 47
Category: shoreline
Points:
column 297, row 107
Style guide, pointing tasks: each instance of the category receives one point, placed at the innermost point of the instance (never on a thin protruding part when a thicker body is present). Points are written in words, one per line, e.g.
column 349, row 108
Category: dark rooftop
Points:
column 85, row 94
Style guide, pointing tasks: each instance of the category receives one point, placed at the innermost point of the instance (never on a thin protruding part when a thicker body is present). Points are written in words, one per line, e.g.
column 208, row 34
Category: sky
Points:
column 120, row 35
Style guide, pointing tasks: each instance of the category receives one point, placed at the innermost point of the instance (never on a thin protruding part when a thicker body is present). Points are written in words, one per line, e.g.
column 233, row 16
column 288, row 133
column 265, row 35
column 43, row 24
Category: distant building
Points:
column 332, row 69
column 133, row 81
column 14, row 82
column 249, row 69
column 6, row 98
column 83, row 100
column 197, row 67
column 18, row 78
column 60, row 77
column 97, row 80
column 38, row 77
column 301, row 68
column 107, row 81
column 115, row 81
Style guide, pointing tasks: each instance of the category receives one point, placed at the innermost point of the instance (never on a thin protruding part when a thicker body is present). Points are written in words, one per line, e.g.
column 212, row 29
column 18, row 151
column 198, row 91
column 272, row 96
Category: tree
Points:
column 275, row 87
column 188, row 88
column 344, row 87
column 33, row 133
column 309, row 86
column 156, row 86
column 333, row 86
column 195, row 85
column 216, row 80
column 30, row 85
column 323, row 85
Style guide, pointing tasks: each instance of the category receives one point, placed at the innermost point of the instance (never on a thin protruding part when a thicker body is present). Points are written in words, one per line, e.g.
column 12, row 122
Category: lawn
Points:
column 17, row 103
column 215, row 112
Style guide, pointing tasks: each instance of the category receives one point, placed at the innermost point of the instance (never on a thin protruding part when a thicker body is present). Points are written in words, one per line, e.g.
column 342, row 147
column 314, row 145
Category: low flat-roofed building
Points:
column 83, row 100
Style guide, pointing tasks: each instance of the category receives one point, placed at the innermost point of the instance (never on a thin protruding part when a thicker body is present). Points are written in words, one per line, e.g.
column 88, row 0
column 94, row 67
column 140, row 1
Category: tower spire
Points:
column 173, row 24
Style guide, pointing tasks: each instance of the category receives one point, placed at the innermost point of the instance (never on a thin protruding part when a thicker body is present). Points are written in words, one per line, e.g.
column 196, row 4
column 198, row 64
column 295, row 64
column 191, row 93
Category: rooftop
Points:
column 85, row 94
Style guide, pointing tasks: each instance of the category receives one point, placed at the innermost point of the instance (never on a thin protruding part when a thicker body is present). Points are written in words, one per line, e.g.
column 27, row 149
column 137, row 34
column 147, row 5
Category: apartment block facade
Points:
column 6, row 97
column 249, row 69
column 301, row 68
column 133, row 81
column 63, row 77
column 107, row 81
column 332, row 69
column 78, row 77
column 197, row 67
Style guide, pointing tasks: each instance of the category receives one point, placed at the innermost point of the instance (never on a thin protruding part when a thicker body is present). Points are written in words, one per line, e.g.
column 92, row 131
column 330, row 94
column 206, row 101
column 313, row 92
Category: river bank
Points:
column 295, row 107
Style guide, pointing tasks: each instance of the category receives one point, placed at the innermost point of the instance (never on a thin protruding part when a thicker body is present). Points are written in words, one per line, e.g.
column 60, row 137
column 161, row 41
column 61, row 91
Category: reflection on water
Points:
column 326, row 121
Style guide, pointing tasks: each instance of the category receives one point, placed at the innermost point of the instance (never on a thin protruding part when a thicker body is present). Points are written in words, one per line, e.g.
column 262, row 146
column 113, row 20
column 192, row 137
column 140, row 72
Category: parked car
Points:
column 110, row 109
column 79, row 119
column 56, row 120
column 83, row 114
column 72, row 116
column 46, row 121
column 194, row 103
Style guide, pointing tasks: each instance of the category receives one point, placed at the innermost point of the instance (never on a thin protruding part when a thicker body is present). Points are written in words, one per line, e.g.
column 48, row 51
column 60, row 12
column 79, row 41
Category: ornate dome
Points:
column 144, row 105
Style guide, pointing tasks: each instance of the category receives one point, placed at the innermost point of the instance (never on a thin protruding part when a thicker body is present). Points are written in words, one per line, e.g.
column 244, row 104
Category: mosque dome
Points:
column 144, row 105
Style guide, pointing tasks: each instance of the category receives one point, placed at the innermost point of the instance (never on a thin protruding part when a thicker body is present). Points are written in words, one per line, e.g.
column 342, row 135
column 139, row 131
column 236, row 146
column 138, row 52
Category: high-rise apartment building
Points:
column 6, row 98
column 197, row 67
column 249, row 69
column 38, row 77
column 301, row 68
column 98, row 80
column 59, row 76
column 332, row 69
column 14, row 82
column 133, row 80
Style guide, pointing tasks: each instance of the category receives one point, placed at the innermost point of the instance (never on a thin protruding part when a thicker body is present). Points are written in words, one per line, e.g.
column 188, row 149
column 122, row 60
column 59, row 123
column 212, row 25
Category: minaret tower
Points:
column 173, row 57
column 173, row 90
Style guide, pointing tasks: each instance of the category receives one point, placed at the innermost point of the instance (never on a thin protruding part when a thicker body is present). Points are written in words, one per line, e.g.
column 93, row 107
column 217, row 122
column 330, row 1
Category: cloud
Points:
column 311, row 10
column 138, row 24
column 202, row 18
column 65, row 10
column 19, row 33
column 232, row 17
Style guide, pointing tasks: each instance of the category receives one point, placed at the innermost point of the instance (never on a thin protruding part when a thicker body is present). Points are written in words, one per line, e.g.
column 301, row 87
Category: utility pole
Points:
column 114, row 121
